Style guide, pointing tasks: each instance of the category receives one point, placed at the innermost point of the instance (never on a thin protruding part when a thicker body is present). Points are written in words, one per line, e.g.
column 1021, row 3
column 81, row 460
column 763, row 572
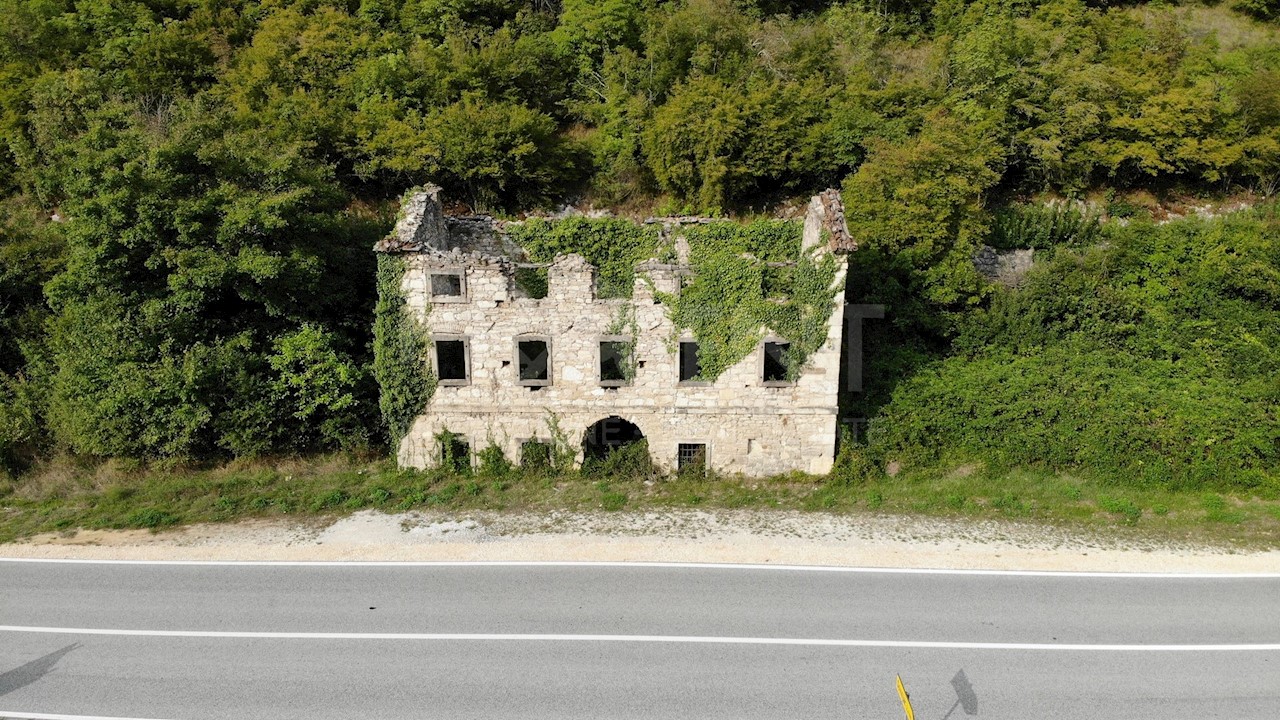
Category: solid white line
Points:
column 57, row 716
column 674, row 639
column 672, row 565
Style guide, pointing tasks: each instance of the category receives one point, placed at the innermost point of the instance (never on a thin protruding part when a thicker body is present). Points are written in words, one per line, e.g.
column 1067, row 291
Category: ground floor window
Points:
column 455, row 453
column 691, row 457
column 535, row 455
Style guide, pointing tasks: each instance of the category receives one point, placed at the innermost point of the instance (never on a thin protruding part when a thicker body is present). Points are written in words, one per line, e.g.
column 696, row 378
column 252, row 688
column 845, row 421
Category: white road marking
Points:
column 4, row 714
column 674, row 639
column 672, row 565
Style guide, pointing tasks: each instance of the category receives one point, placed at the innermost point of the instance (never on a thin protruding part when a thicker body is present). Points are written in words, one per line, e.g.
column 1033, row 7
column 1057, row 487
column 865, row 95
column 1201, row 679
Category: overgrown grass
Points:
column 64, row 495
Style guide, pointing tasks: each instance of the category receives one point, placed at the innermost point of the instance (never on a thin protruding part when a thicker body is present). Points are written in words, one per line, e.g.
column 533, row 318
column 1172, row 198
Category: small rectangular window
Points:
column 615, row 363
column 455, row 453
column 535, row 455
column 452, row 366
column 690, row 367
column 691, row 457
column 446, row 285
column 533, row 361
column 775, row 363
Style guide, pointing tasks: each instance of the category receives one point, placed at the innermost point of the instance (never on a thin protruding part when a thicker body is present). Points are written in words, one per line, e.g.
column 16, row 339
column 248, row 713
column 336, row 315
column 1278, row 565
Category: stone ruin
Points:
column 529, row 374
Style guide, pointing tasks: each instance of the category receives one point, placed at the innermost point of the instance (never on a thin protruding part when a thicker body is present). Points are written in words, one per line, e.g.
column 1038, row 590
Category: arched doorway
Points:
column 608, row 435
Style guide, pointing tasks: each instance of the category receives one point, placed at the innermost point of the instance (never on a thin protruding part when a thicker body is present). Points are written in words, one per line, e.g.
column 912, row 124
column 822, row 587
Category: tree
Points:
column 922, row 203
column 200, row 258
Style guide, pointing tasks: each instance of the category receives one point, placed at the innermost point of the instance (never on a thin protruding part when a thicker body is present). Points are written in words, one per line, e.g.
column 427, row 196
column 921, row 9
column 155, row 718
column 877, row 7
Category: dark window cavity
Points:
column 775, row 362
column 455, row 454
column 535, row 455
column 451, row 361
column 690, row 367
column 691, row 457
column 446, row 285
column 534, row 359
column 615, row 362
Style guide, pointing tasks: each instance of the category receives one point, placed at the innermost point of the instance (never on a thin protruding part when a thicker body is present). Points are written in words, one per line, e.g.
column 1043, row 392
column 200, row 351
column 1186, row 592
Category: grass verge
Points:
column 65, row 495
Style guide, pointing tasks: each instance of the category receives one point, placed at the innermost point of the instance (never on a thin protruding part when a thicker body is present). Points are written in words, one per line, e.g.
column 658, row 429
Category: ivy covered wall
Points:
column 400, row 346
column 744, row 278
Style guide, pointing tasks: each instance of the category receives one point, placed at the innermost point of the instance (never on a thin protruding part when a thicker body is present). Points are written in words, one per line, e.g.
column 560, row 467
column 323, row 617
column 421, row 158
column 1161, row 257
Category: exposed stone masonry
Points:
column 746, row 426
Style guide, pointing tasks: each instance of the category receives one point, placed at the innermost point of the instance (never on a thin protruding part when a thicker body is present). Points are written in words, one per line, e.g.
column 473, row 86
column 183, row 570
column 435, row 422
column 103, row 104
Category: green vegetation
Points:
column 735, row 292
column 612, row 245
column 66, row 495
column 189, row 191
column 1149, row 361
column 400, row 347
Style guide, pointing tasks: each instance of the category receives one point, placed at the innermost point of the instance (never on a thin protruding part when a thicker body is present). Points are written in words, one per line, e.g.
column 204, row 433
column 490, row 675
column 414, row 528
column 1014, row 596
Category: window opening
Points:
column 690, row 366
column 535, row 455
column 534, row 359
column 455, row 454
column 691, row 457
column 446, row 285
column 451, row 361
column 615, row 362
column 775, row 362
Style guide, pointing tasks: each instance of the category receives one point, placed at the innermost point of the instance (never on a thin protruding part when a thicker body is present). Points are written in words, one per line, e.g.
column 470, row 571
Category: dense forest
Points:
column 189, row 191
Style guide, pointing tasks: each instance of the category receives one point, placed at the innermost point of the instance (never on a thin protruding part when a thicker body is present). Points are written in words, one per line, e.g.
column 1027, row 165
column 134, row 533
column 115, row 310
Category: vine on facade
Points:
column 400, row 346
column 735, row 293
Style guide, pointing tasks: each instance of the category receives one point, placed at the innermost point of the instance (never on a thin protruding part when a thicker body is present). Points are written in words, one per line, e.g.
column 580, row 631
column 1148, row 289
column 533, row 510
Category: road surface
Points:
column 207, row 640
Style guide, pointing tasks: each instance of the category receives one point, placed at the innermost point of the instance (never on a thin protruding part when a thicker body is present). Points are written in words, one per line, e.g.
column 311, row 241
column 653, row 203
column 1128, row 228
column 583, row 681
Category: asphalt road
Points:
column 178, row 641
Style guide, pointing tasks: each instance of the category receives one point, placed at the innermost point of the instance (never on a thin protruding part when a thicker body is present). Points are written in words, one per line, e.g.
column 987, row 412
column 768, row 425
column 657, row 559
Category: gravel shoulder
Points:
column 756, row 537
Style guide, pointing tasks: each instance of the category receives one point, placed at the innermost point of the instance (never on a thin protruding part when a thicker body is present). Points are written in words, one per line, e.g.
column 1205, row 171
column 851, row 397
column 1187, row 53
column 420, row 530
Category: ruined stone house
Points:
column 513, row 369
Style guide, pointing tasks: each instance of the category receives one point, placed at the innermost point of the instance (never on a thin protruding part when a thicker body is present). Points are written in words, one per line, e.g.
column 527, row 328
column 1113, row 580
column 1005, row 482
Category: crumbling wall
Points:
column 749, row 427
column 1006, row 267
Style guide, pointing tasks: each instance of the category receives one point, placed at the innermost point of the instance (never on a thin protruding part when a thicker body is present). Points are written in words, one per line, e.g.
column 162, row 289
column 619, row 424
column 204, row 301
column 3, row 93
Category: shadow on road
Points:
column 24, row 675
column 966, row 698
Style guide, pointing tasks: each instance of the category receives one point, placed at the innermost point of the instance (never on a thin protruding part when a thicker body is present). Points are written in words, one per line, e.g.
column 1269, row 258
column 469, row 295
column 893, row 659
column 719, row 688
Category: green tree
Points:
column 922, row 202
column 195, row 254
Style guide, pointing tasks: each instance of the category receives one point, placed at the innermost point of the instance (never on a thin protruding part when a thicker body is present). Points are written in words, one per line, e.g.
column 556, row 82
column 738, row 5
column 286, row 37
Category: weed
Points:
column 331, row 499
column 1121, row 506
column 493, row 462
column 875, row 499
column 150, row 518
column 1009, row 504
column 1216, row 510
column 612, row 500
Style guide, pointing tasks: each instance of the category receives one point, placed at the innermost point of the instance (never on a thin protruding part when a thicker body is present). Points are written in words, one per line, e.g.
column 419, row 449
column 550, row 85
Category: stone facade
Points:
column 744, row 424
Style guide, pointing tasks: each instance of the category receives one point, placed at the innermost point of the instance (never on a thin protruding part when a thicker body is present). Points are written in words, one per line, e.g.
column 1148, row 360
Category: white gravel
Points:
column 789, row 538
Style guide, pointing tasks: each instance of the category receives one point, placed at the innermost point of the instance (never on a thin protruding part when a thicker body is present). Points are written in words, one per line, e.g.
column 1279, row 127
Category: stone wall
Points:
column 748, row 427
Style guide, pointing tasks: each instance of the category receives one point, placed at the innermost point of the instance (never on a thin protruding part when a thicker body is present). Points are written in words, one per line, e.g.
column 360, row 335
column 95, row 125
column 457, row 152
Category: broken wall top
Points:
column 423, row 227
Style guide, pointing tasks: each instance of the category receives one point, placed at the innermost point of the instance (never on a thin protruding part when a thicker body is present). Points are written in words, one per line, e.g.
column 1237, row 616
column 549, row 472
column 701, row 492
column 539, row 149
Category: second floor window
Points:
column 533, row 359
column 616, row 363
column 775, row 363
column 452, row 364
column 690, row 367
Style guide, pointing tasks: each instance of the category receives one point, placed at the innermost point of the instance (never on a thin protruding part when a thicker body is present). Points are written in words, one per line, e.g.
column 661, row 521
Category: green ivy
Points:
column 612, row 245
column 734, row 290
column 734, row 293
column 624, row 323
column 400, row 346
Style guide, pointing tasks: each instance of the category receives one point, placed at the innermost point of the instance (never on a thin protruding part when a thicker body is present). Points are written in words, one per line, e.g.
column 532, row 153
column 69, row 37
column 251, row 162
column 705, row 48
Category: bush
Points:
column 1150, row 361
